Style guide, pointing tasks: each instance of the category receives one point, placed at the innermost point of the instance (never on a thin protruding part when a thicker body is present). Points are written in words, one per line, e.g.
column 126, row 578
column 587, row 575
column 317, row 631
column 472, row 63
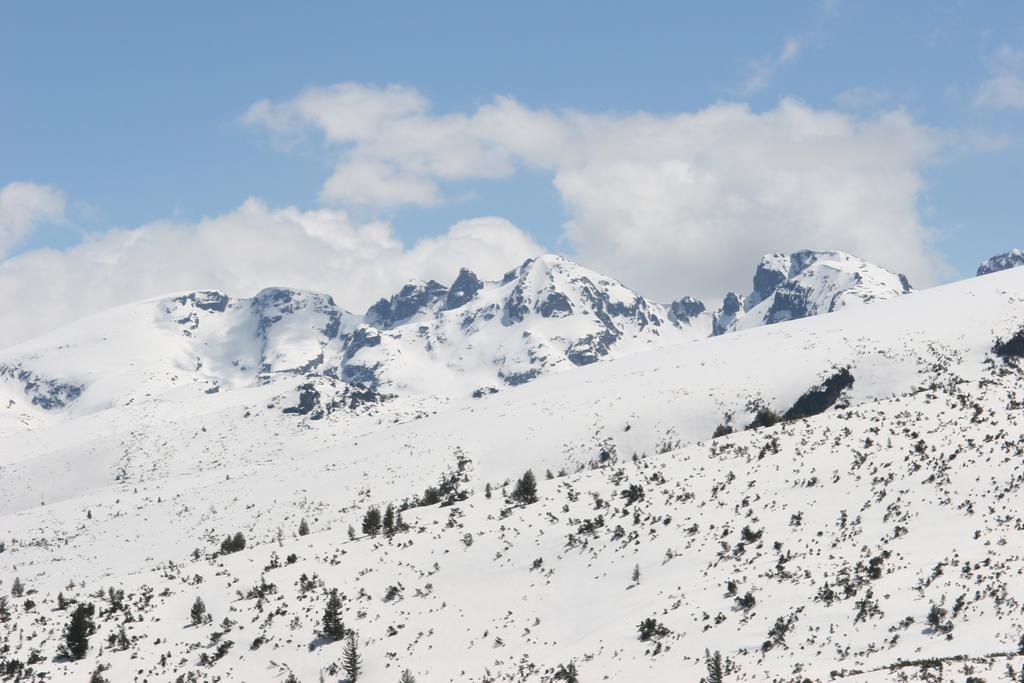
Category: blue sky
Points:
column 136, row 112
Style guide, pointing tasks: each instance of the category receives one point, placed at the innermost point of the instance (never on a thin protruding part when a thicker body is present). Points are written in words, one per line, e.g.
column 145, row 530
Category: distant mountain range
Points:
column 473, row 337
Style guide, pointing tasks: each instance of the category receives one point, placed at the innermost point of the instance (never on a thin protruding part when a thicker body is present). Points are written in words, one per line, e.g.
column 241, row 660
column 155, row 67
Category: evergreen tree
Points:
column 122, row 639
column 232, row 544
column 351, row 661
column 389, row 520
column 407, row 677
column 17, row 588
column 567, row 673
column 5, row 610
column 97, row 675
column 62, row 602
column 526, row 489
column 636, row 574
column 333, row 628
column 303, row 527
column 487, row 490
column 371, row 521
column 198, row 611
column 714, row 664
column 76, row 635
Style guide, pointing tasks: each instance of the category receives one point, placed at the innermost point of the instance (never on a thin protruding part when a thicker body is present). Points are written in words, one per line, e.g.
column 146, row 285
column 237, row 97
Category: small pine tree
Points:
column 389, row 520
column 5, row 610
column 714, row 664
column 303, row 527
column 526, row 489
column 198, row 611
column 333, row 628
column 487, row 490
column 567, row 673
column 77, row 632
column 97, row 675
column 372, row 521
column 407, row 677
column 351, row 661
column 351, row 533
column 122, row 639
column 636, row 574
column 62, row 602
column 17, row 588
column 233, row 544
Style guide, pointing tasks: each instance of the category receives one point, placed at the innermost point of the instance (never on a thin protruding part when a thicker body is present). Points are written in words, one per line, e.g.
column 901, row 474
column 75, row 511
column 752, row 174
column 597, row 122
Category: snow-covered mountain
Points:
column 806, row 283
column 547, row 315
column 1011, row 259
column 871, row 535
column 474, row 337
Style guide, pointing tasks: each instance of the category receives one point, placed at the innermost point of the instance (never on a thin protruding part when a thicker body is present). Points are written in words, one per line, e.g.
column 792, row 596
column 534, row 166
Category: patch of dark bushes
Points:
column 819, row 399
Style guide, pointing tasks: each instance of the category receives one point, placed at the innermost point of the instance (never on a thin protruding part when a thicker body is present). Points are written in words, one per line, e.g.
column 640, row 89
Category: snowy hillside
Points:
column 875, row 524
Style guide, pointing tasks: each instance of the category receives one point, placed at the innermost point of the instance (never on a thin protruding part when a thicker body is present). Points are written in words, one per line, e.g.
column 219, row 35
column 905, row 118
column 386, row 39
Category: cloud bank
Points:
column 241, row 252
column 672, row 204
column 25, row 206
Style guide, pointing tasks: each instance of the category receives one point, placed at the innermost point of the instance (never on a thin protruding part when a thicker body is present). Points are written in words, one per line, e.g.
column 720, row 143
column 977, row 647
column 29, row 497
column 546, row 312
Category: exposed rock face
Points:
column 731, row 310
column 317, row 400
column 44, row 392
column 1011, row 259
column 686, row 309
column 413, row 298
column 465, row 287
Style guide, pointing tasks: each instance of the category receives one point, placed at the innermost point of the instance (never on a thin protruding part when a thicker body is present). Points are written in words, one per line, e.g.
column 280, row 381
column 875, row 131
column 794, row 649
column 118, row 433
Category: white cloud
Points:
column 763, row 70
column 23, row 207
column 240, row 253
column 672, row 204
column 1005, row 89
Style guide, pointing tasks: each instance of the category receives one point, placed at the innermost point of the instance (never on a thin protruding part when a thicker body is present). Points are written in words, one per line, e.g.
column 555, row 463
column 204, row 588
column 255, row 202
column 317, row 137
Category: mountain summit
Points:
column 1011, row 259
column 806, row 283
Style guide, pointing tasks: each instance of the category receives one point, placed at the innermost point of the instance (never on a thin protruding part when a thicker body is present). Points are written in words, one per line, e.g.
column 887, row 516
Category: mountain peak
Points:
column 412, row 298
column 465, row 287
column 808, row 282
column 1011, row 259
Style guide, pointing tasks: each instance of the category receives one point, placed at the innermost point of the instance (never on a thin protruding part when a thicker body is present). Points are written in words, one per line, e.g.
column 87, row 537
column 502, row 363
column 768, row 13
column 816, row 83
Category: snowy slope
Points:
column 122, row 496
